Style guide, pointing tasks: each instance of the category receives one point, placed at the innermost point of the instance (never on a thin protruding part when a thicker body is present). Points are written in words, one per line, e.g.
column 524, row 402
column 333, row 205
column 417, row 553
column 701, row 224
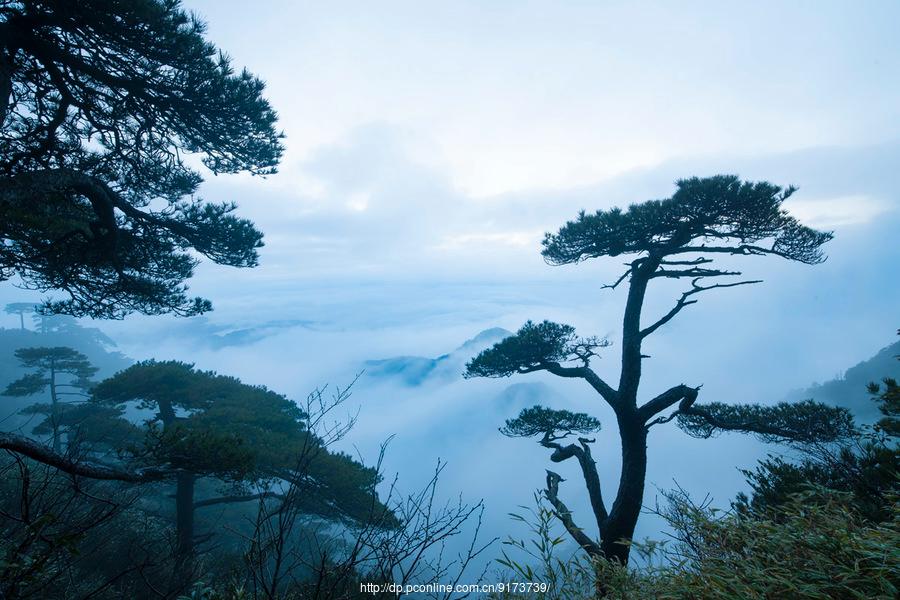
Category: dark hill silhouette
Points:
column 849, row 390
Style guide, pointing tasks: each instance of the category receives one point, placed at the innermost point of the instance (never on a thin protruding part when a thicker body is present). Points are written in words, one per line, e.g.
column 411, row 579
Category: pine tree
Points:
column 64, row 372
column 104, row 105
column 672, row 239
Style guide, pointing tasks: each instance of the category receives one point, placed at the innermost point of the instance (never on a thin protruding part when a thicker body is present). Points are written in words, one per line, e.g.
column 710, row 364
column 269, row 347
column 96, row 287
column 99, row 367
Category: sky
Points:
column 429, row 146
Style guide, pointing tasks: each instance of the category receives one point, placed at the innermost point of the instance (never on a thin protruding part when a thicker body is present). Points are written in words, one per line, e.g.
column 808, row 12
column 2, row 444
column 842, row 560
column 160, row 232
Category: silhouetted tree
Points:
column 209, row 425
column 47, row 366
column 670, row 239
column 102, row 103
column 20, row 308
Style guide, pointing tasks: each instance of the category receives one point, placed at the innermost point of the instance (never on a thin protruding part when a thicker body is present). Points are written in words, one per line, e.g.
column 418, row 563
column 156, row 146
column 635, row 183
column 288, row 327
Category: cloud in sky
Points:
column 512, row 95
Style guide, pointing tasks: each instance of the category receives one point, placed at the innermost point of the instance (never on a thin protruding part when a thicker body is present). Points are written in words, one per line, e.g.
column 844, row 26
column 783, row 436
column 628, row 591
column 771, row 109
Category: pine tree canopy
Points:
column 41, row 360
column 719, row 214
column 104, row 107
column 553, row 424
column 533, row 347
column 215, row 425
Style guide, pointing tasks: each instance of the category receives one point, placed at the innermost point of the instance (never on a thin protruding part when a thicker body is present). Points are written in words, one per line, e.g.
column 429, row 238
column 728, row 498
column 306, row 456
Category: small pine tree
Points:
column 64, row 373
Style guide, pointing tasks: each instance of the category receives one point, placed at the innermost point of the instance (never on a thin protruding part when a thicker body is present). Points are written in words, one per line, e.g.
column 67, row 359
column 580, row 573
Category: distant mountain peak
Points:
column 417, row 370
column 486, row 337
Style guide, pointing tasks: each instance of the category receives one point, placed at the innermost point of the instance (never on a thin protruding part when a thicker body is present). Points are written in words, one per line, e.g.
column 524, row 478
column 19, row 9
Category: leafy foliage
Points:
column 720, row 208
column 888, row 398
column 550, row 423
column 542, row 558
column 806, row 550
column 803, row 422
column 101, row 103
column 59, row 540
column 212, row 424
column 867, row 468
column 215, row 425
column 868, row 474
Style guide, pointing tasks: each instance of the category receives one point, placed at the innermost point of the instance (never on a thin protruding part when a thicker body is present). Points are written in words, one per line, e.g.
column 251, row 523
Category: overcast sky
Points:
column 436, row 142
column 430, row 145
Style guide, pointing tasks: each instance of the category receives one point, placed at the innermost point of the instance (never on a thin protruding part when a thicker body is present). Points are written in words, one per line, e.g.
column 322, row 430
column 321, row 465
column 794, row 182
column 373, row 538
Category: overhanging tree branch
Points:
column 100, row 104
column 786, row 422
column 236, row 499
column 37, row 451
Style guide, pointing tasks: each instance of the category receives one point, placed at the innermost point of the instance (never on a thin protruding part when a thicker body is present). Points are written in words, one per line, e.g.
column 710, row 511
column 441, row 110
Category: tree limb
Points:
column 668, row 398
column 588, row 471
column 586, row 373
column 37, row 451
column 234, row 499
column 565, row 515
column 683, row 301
column 786, row 422
column 692, row 272
column 742, row 250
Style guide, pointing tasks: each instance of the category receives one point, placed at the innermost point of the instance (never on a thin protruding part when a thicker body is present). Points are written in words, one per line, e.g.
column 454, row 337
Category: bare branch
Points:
column 565, row 515
column 615, row 284
column 588, row 471
column 697, row 261
column 683, row 301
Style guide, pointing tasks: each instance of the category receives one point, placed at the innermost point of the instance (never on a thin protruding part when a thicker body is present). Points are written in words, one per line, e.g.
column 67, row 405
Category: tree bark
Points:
column 626, row 508
column 630, row 378
column 184, row 516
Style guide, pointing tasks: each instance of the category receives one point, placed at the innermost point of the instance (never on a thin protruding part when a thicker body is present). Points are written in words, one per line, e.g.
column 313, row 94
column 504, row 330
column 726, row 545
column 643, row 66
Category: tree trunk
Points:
column 54, row 409
column 184, row 518
column 184, row 507
column 626, row 509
